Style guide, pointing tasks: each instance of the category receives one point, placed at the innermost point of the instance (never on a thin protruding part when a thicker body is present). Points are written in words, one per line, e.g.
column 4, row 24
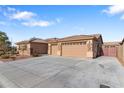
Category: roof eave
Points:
column 92, row 38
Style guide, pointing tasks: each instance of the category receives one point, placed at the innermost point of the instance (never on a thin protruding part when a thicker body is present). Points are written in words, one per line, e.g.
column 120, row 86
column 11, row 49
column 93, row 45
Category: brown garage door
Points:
column 54, row 49
column 74, row 50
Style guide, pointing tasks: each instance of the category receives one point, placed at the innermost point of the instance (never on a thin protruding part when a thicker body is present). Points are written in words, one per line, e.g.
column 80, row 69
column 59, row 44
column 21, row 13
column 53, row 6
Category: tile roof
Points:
column 96, row 35
column 69, row 38
column 35, row 40
column 52, row 39
column 77, row 37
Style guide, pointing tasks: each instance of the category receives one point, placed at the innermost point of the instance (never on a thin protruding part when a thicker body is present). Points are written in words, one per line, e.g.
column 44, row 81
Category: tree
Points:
column 5, row 44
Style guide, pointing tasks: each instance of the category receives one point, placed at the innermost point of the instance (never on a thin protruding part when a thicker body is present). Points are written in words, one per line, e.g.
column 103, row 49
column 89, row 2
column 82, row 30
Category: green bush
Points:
column 5, row 56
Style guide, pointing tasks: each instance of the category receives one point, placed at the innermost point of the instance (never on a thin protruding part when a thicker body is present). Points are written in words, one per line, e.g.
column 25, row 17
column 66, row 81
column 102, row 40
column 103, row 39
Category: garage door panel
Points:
column 54, row 49
column 74, row 50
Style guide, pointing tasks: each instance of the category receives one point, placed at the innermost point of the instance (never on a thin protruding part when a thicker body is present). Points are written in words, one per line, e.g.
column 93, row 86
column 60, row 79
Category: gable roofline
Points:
column 77, row 37
column 98, row 36
column 52, row 40
column 32, row 40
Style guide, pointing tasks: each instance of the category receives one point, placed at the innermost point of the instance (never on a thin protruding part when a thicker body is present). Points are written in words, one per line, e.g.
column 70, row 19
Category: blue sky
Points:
column 24, row 22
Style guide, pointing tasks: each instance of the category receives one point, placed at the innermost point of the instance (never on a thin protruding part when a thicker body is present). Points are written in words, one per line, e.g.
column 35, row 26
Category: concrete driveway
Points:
column 51, row 71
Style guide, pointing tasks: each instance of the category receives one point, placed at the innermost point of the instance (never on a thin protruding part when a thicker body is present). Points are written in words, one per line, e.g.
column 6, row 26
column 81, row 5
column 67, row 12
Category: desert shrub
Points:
column 5, row 56
column 1, row 53
column 13, row 57
column 35, row 54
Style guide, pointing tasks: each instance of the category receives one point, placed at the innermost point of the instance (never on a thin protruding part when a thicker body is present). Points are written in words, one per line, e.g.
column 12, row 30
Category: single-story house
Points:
column 76, row 46
column 110, row 48
column 32, row 46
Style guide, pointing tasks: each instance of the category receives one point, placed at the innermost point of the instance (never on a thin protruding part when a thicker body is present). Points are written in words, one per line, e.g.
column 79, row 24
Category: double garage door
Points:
column 70, row 50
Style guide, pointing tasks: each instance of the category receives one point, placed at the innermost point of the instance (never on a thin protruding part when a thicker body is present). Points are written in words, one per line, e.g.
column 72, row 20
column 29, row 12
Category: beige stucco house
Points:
column 32, row 46
column 76, row 46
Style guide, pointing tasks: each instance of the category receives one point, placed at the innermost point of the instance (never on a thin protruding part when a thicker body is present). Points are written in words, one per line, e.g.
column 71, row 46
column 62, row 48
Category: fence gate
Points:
column 110, row 51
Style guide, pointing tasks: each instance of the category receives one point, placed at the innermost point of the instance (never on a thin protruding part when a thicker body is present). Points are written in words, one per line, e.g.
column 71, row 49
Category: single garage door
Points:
column 74, row 50
column 54, row 49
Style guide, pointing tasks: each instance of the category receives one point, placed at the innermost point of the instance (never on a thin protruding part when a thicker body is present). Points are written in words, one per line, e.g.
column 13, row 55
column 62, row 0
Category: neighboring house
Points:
column 76, row 46
column 32, row 46
column 110, row 48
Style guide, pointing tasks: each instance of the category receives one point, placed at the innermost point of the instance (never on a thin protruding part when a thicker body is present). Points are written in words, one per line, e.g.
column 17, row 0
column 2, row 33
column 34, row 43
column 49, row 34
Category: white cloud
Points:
column 38, row 23
column 58, row 20
column 28, row 18
column 13, row 13
column 22, row 15
column 11, row 9
column 115, row 9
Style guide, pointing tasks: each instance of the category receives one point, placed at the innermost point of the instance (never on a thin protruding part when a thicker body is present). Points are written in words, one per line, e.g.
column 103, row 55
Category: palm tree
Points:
column 4, row 42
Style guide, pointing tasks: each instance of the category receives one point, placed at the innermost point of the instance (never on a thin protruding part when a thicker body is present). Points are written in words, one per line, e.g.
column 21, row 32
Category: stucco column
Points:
column 123, row 51
column 17, row 47
column 59, row 52
column 49, row 49
column 89, row 48
column 29, row 49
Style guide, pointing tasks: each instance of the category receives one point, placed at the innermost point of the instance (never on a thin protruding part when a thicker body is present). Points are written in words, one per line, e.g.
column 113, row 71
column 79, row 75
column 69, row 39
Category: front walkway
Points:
column 51, row 71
